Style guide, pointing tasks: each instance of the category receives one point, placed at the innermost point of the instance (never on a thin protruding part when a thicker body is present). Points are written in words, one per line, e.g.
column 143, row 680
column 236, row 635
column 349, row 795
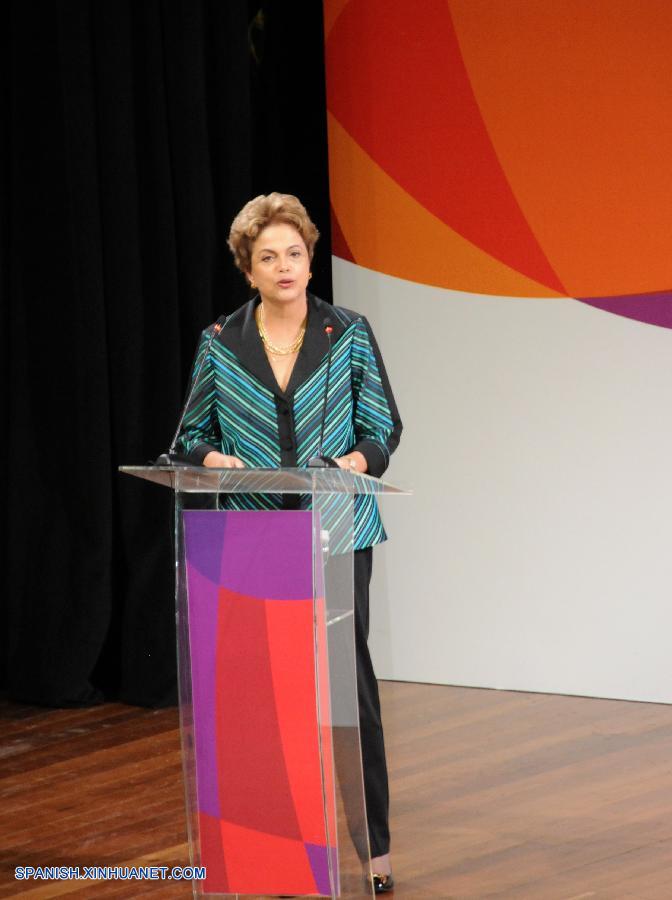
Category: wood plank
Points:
column 495, row 794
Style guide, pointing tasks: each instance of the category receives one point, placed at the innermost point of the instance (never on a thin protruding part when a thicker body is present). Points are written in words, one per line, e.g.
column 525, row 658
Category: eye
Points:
column 296, row 253
column 266, row 258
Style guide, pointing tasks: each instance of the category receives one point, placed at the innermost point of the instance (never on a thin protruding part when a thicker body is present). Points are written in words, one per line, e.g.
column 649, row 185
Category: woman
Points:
column 259, row 402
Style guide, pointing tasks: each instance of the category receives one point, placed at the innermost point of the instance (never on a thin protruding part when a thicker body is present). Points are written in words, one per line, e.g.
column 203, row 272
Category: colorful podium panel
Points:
column 262, row 811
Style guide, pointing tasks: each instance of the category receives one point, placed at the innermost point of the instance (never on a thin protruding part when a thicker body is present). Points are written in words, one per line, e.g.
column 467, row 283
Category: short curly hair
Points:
column 261, row 212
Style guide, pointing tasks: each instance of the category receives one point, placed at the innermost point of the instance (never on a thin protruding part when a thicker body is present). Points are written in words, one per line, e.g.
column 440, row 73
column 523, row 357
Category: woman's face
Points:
column 280, row 265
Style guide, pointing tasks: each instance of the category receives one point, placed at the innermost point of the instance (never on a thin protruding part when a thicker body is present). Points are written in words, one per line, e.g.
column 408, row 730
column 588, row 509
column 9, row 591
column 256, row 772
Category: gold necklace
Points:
column 276, row 349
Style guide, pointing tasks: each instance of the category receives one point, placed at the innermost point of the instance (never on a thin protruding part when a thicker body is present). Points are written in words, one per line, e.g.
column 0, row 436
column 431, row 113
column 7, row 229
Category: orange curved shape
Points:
column 576, row 98
column 390, row 232
column 398, row 84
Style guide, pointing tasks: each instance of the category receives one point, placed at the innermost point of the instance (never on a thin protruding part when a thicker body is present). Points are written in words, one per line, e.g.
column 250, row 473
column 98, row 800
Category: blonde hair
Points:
column 261, row 212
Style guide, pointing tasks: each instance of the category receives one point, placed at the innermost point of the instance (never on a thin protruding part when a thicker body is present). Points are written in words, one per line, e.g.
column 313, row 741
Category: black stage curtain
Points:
column 132, row 132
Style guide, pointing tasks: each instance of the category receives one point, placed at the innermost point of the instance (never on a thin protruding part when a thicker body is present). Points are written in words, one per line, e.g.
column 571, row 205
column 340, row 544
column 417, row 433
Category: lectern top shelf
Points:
column 202, row 480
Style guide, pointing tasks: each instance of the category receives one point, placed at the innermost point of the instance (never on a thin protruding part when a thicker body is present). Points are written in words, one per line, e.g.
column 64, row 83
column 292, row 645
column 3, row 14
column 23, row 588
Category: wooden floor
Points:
column 495, row 795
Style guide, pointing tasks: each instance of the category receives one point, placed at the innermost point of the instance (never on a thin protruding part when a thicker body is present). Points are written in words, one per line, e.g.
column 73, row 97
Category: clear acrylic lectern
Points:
column 267, row 683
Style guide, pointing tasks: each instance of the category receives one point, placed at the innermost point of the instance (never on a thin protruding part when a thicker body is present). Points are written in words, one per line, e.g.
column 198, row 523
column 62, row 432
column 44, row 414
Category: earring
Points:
column 310, row 275
column 253, row 284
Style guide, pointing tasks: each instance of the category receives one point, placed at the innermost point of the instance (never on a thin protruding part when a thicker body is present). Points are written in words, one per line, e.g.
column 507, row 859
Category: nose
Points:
column 284, row 264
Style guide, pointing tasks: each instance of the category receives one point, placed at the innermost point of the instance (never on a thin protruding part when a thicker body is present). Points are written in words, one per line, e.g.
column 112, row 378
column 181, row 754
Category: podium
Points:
column 267, row 682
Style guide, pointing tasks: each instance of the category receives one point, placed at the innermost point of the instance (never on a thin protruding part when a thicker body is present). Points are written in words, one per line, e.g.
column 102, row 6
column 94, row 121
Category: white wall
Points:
column 536, row 553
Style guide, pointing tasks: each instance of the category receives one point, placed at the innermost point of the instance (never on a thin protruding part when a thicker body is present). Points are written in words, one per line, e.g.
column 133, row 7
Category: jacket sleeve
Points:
column 376, row 417
column 200, row 433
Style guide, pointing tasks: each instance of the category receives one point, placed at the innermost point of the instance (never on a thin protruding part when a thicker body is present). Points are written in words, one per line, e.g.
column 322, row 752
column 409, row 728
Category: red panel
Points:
column 290, row 638
column 212, row 855
column 326, row 721
column 253, row 783
column 398, row 84
column 266, row 864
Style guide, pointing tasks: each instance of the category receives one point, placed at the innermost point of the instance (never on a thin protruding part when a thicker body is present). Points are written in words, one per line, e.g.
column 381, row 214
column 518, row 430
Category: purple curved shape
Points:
column 203, row 615
column 272, row 567
column 319, row 863
column 654, row 309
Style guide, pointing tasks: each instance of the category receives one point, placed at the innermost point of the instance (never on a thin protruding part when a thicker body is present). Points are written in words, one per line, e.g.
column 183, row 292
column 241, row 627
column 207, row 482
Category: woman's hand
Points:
column 215, row 460
column 353, row 462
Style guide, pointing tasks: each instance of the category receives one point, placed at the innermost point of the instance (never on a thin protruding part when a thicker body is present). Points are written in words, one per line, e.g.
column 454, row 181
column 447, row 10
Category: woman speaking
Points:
column 259, row 402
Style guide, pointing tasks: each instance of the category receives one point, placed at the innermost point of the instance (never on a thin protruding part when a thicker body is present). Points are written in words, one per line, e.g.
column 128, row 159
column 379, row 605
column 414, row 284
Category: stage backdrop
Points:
column 502, row 212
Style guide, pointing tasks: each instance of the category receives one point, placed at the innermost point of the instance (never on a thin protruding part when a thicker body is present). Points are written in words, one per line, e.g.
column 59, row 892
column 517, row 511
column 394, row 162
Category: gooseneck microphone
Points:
column 321, row 461
column 171, row 458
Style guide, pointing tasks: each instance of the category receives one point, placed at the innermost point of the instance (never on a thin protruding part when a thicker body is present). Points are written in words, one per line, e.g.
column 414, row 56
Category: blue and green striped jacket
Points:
column 238, row 407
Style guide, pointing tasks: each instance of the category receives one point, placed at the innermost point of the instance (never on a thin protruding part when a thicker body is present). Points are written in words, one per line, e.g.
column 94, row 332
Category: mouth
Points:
column 285, row 283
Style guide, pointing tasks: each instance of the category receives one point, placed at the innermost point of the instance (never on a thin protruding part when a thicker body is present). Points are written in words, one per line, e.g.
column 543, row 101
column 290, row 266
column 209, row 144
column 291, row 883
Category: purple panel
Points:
column 263, row 551
column 203, row 600
column 654, row 309
column 319, row 863
column 204, row 539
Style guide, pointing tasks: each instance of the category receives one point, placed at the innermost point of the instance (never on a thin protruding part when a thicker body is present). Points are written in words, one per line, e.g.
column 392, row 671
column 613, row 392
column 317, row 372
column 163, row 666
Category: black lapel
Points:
column 315, row 345
column 241, row 336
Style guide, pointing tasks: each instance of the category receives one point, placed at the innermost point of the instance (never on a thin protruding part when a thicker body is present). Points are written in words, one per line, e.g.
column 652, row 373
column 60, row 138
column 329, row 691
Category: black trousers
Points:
column 372, row 744
column 370, row 723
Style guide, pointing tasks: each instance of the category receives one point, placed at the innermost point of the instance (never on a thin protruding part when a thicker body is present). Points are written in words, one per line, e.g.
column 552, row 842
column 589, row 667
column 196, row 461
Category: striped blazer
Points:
column 239, row 409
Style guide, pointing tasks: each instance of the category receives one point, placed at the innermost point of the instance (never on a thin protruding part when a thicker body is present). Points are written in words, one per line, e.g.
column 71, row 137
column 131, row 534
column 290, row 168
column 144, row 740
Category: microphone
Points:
column 320, row 461
column 171, row 458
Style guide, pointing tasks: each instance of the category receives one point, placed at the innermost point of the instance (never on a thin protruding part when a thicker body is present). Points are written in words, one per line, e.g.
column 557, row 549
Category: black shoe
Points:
column 382, row 884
